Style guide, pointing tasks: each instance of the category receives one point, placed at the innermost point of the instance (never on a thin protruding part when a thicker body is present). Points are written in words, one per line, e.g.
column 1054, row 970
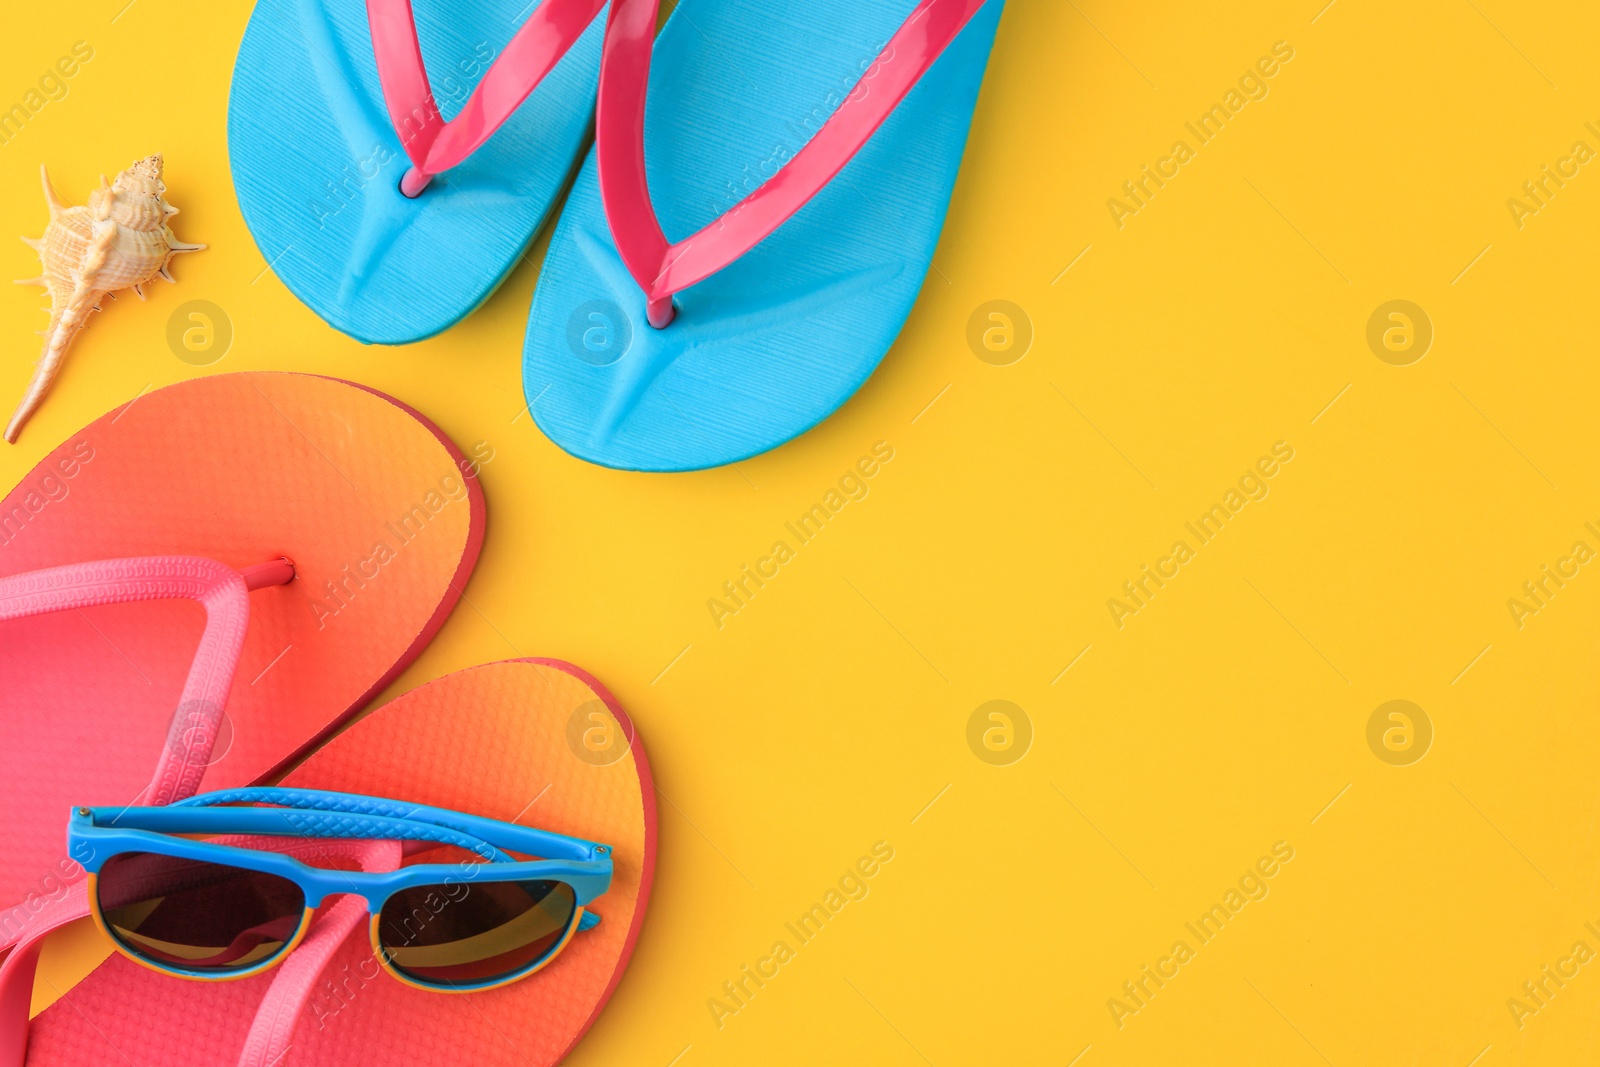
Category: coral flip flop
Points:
column 387, row 220
column 742, row 248
column 131, row 641
column 537, row 742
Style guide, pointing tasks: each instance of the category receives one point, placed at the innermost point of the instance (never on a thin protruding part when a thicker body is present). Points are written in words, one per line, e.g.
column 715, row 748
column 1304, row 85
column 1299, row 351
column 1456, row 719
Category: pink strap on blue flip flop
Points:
column 662, row 268
column 432, row 144
column 362, row 92
column 802, row 159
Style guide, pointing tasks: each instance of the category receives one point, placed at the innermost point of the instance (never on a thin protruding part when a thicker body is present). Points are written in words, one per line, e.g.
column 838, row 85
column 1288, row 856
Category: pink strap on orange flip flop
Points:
column 432, row 144
column 293, row 981
column 279, row 1011
column 662, row 268
column 220, row 589
column 223, row 592
column 17, row 970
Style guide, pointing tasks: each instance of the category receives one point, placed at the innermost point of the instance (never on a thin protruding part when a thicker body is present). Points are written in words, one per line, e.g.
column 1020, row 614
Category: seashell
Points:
column 121, row 240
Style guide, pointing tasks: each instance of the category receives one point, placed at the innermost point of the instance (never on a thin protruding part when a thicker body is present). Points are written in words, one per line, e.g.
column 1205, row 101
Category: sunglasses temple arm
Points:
column 289, row 823
column 529, row 839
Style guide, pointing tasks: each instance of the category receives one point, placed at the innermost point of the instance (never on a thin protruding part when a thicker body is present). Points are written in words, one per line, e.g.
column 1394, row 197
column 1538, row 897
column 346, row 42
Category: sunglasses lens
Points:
column 207, row 918
column 460, row 933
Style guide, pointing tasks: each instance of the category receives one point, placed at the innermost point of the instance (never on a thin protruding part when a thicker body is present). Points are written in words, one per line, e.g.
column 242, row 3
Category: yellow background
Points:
column 1225, row 716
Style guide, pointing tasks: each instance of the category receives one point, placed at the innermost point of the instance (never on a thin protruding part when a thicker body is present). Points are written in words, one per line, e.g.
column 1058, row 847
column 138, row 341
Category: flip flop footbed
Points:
column 379, row 512
column 772, row 344
column 330, row 216
column 504, row 740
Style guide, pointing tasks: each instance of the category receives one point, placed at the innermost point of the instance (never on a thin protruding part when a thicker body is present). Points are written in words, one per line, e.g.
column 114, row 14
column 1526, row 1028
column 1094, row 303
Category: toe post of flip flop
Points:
column 431, row 140
column 154, row 632
column 755, row 221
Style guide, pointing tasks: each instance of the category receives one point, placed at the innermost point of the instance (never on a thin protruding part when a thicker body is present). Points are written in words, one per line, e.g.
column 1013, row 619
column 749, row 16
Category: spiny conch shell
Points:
column 121, row 240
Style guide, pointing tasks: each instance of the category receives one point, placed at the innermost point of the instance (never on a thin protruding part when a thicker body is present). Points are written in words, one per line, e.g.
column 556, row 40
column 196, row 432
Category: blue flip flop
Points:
column 814, row 148
column 333, row 111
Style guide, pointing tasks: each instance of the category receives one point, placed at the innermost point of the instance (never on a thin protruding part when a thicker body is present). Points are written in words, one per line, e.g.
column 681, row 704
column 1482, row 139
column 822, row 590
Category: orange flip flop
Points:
column 218, row 480
column 532, row 741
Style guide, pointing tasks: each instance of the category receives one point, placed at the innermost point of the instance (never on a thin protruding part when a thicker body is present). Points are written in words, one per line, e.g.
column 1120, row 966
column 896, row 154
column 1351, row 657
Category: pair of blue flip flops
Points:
column 757, row 353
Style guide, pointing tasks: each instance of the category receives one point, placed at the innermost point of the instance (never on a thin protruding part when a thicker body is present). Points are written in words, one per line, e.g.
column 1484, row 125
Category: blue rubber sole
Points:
column 317, row 164
column 771, row 345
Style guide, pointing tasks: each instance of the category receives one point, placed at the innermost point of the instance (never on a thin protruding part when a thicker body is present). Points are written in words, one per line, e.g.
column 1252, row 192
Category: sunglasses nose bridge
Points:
column 372, row 858
column 317, row 900
column 322, row 893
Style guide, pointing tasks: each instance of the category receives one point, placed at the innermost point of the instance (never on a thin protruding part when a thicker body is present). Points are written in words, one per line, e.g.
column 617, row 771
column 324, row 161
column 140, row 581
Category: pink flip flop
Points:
column 533, row 741
column 204, row 583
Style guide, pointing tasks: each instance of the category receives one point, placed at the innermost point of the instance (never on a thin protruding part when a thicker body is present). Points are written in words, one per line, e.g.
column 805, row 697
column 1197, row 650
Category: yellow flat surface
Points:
column 1173, row 747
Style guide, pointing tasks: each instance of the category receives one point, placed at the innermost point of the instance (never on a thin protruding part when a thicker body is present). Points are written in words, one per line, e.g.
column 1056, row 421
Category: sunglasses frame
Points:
column 95, row 834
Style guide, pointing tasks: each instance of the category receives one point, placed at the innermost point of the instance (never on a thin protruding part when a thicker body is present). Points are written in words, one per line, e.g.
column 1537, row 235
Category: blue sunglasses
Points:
column 227, row 908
